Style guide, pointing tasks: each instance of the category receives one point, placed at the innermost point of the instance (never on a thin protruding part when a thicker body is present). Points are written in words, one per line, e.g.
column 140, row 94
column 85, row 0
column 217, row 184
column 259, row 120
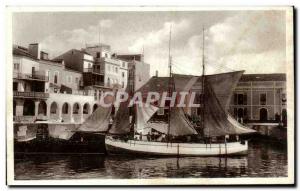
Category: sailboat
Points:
column 174, row 134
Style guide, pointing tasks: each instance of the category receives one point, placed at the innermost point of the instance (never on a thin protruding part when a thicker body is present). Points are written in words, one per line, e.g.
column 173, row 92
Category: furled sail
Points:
column 98, row 121
column 144, row 113
column 215, row 118
column 121, row 123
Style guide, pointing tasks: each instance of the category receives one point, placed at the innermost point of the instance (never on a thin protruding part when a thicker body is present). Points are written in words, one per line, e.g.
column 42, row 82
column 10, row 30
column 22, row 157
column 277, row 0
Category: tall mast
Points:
column 203, row 82
column 99, row 34
column 170, row 82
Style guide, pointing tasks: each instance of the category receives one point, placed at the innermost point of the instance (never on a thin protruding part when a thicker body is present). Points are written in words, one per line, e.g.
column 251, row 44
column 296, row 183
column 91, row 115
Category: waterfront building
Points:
column 114, row 70
column 44, row 89
column 138, row 70
column 260, row 98
column 101, row 70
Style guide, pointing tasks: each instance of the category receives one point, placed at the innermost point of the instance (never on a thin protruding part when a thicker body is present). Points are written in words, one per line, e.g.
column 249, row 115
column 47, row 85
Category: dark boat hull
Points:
column 79, row 143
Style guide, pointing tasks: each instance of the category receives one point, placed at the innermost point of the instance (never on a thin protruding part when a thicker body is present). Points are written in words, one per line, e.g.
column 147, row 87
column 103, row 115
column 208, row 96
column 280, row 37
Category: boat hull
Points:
column 116, row 146
column 94, row 144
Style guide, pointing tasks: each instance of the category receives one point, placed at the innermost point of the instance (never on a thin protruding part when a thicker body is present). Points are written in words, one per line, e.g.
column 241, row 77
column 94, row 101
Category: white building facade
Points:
column 47, row 90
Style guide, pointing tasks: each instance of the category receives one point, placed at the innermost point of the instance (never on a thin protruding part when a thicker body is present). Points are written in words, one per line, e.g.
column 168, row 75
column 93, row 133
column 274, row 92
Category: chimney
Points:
column 44, row 55
column 156, row 73
column 34, row 50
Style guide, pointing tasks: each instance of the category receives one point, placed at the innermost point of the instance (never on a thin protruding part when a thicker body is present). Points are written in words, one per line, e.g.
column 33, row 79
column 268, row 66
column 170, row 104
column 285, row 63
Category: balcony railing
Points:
column 31, row 77
column 98, row 83
column 40, row 95
column 93, row 70
column 23, row 119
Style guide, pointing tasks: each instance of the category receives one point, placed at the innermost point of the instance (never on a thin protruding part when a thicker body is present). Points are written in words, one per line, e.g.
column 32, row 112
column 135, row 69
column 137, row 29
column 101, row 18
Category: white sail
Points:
column 144, row 113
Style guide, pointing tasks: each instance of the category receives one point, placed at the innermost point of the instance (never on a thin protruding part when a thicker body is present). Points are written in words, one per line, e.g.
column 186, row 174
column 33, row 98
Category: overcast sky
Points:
column 253, row 41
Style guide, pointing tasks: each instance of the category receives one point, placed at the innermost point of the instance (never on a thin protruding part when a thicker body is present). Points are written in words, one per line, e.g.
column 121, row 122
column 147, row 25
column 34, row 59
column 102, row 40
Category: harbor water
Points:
column 263, row 160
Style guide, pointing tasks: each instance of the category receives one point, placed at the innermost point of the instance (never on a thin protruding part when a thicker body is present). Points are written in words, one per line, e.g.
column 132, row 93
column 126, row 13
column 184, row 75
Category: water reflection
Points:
column 262, row 161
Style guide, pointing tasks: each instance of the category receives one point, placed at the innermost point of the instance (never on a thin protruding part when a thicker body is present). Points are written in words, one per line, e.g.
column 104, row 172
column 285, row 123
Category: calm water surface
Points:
column 263, row 160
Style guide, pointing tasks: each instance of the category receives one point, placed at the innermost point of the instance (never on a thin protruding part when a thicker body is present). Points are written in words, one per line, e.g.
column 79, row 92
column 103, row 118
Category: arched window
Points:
column 76, row 108
column 42, row 108
column 53, row 108
column 95, row 107
column 86, row 108
column 65, row 108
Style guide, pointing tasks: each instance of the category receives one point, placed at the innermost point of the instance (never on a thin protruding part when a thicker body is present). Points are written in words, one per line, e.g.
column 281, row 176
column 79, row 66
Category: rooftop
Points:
column 263, row 77
column 131, row 57
column 81, row 51
column 22, row 51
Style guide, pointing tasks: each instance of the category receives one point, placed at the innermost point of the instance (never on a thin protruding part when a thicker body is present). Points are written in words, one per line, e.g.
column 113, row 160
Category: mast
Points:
column 203, row 83
column 99, row 34
column 170, row 83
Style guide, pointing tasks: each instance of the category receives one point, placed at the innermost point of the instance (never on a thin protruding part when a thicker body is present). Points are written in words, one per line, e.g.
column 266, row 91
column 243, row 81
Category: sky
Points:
column 254, row 41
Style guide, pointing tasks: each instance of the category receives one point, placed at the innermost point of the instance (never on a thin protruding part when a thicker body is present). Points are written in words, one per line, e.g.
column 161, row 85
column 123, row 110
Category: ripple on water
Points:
column 262, row 161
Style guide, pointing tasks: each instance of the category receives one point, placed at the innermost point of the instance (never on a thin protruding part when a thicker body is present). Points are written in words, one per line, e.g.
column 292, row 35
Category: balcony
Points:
column 31, row 77
column 24, row 119
column 38, row 95
column 109, row 60
column 97, row 83
column 93, row 70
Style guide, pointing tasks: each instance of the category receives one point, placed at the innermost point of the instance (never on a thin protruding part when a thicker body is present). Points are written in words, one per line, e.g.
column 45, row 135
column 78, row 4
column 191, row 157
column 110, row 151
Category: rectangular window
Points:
column 240, row 100
column 33, row 70
column 245, row 99
column 245, row 113
column 235, row 99
column 69, row 79
column 16, row 66
column 56, row 77
column 15, row 86
column 263, row 99
column 76, row 80
column 123, row 74
column 98, row 54
column 122, row 84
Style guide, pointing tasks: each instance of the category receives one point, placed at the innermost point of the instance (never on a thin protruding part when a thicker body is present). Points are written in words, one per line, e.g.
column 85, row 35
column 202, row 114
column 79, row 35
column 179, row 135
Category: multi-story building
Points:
column 101, row 70
column 138, row 70
column 46, row 89
column 257, row 98
column 260, row 98
column 82, row 62
column 114, row 70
